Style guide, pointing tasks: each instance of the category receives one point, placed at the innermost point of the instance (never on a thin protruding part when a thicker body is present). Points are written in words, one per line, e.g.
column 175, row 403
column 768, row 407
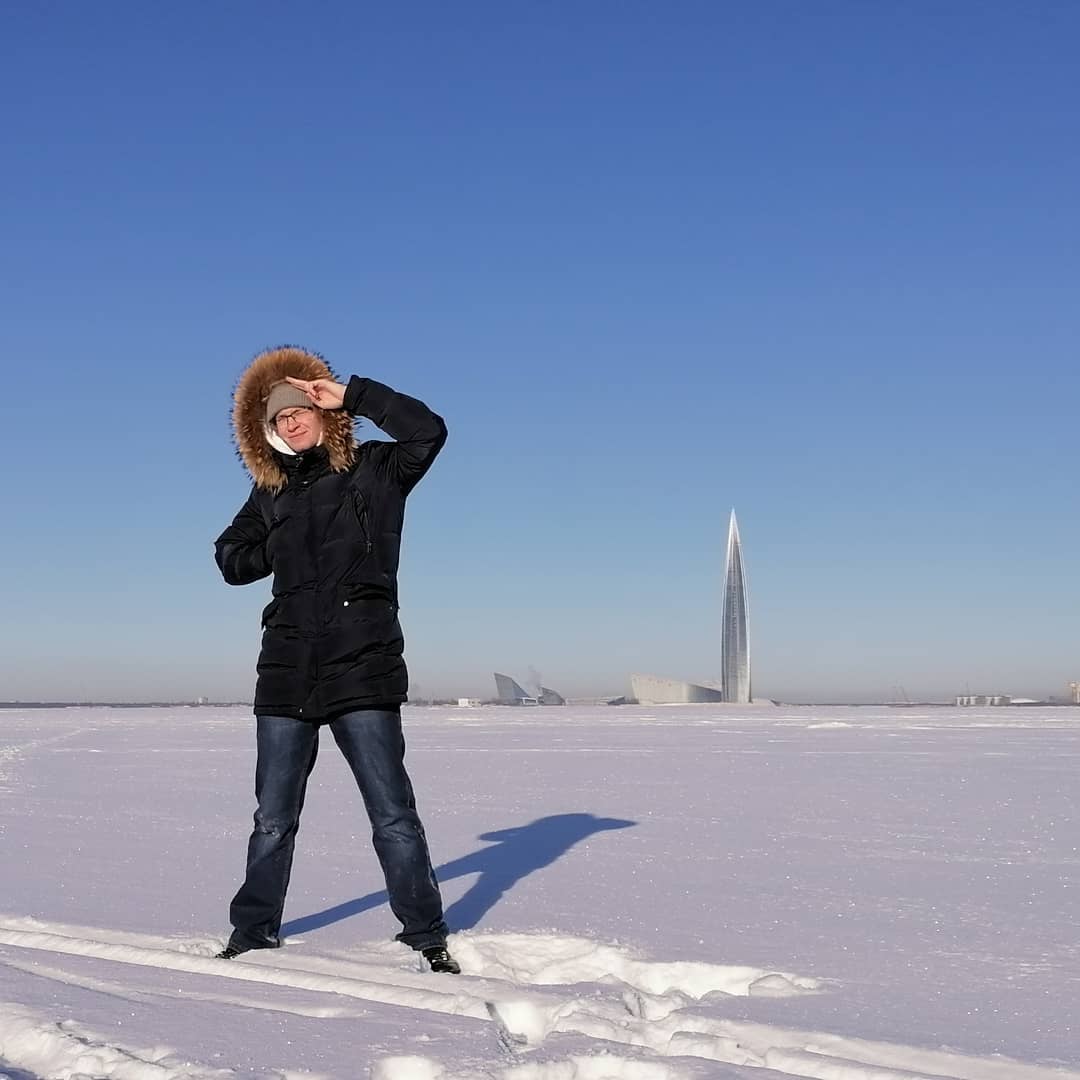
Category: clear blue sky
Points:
column 819, row 262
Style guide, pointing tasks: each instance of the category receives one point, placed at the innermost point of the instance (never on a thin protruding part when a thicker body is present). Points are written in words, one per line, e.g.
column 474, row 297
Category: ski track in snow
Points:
column 520, row 983
column 29, row 1041
column 11, row 755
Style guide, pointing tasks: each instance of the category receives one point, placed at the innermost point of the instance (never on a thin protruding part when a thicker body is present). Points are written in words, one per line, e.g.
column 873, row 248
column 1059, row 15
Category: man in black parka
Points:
column 324, row 517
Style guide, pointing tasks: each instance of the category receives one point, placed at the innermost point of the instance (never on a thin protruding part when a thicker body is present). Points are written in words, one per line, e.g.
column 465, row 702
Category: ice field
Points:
column 635, row 893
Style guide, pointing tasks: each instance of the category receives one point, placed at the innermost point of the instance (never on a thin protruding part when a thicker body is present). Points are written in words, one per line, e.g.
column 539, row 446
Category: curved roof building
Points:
column 511, row 693
column 656, row 690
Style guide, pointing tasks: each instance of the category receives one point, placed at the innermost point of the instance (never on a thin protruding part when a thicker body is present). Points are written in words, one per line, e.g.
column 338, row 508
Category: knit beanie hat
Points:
column 284, row 395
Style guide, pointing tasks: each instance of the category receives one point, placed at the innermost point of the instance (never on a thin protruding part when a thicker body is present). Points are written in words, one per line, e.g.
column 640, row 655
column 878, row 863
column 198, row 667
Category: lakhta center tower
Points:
column 736, row 641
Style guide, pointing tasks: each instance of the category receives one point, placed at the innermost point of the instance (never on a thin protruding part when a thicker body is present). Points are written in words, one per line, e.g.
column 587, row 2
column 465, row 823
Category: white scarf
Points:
column 279, row 444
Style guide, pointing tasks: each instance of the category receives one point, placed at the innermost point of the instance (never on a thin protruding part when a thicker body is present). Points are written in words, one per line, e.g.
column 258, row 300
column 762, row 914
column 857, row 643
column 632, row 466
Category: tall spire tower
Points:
column 736, row 640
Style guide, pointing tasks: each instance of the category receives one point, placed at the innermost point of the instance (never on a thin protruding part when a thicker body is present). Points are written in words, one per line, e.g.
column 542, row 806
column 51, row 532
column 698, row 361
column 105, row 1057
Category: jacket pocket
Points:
column 270, row 611
column 367, row 597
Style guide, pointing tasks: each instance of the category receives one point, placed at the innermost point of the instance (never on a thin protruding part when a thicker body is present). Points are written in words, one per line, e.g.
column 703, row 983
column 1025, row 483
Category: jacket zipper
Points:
column 361, row 514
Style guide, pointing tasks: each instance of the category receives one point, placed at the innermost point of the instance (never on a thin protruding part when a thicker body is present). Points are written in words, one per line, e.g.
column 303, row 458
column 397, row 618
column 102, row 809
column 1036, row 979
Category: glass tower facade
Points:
column 736, row 642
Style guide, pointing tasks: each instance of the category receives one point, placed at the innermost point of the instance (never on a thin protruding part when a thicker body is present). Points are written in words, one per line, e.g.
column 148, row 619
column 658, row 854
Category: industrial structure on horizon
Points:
column 735, row 684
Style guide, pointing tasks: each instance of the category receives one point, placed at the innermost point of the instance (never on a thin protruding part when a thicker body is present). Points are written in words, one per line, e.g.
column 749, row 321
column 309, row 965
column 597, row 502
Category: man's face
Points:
column 299, row 426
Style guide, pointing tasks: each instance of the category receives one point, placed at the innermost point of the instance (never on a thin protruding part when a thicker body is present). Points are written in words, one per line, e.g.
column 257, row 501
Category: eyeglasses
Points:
column 290, row 416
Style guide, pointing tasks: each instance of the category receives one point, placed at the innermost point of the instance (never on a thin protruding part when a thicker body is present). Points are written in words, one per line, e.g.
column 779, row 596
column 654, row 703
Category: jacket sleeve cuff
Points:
column 354, row 395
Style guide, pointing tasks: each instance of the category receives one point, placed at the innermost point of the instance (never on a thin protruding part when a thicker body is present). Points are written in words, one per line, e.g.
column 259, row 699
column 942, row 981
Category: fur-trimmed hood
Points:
column 249, row 414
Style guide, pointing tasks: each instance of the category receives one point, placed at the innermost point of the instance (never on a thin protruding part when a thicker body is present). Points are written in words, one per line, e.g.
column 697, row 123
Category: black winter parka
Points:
column 331, row 638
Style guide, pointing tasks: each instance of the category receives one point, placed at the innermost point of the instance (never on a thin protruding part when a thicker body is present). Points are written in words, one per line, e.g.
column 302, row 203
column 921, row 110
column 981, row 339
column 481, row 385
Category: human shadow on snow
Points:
column 515, row 854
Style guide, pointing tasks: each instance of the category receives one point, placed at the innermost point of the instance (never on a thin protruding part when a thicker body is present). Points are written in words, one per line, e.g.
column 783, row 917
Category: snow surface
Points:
column 636, row 893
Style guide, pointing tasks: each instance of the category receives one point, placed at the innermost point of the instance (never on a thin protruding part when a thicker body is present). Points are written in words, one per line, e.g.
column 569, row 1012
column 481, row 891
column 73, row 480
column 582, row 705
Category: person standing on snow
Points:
column 324, row 517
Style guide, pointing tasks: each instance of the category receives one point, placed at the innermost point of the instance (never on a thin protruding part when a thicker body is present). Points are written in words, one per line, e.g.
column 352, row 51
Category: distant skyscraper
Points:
column 736, row 641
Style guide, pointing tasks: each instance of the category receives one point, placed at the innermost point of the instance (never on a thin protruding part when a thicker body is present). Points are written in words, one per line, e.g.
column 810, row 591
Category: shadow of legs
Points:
column 515, row 853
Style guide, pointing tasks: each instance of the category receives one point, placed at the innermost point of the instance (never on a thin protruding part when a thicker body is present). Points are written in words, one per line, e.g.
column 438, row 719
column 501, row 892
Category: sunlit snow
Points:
column 635, row 894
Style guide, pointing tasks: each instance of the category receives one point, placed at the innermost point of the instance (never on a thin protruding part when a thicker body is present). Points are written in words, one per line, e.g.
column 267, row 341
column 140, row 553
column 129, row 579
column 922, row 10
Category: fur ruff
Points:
column 249, row 414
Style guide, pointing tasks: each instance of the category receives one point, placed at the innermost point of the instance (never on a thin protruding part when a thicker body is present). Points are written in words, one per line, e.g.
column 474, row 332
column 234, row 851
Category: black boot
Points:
column 441, row 961
column 237, row 946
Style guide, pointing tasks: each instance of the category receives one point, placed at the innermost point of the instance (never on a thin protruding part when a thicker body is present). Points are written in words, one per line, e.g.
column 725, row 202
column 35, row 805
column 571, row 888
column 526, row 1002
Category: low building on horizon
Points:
column 657, row 690
column 968, row 700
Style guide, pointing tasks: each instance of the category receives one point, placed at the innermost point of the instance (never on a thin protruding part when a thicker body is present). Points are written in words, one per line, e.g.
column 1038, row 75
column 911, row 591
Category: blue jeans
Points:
column 374, row 747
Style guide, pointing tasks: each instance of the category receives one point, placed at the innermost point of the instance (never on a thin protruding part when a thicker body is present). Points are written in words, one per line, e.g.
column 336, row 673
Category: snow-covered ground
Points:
column 636, row 893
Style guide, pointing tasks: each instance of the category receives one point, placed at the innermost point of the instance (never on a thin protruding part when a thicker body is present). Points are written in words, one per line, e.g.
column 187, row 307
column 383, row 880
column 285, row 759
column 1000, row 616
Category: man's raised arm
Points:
column 418, row 433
